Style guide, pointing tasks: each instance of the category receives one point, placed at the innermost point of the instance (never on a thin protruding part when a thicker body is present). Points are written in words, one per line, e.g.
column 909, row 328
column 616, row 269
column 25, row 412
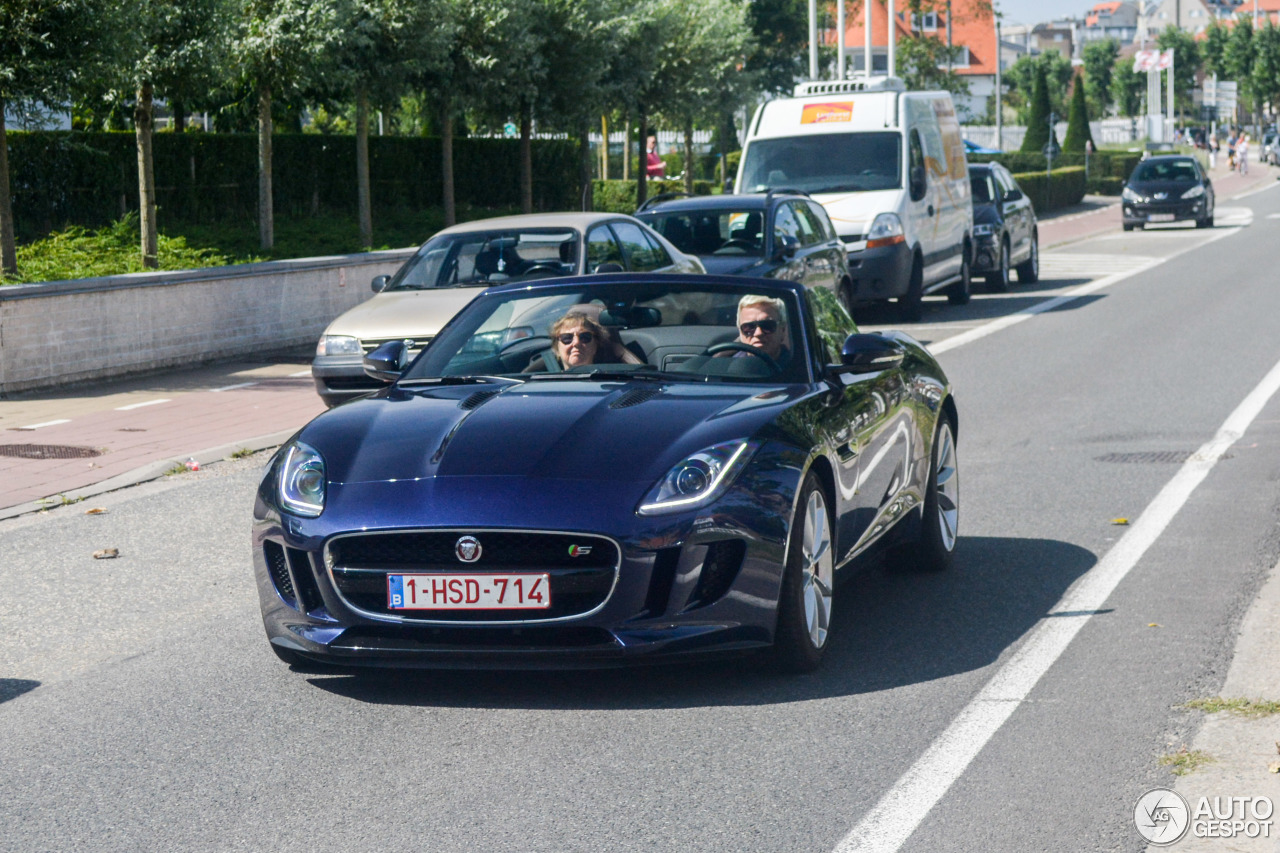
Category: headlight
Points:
column 885, row 230
column 338, row 345
column 983, row 230
column 300, row 485
column 1129, row 195
column 699, row 479
column 1194, row 192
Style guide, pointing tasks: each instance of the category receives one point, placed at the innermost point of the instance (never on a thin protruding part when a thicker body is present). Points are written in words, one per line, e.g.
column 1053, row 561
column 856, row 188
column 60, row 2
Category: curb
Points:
column 152, row 471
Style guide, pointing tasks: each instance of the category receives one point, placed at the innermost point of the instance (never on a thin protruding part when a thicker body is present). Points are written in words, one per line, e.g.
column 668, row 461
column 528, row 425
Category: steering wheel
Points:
column 542, row 340
column 737, row 243
column 739, row 346
column 544, row 267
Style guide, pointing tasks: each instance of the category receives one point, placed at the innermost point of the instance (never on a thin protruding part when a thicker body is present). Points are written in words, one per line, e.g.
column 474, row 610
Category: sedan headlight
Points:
column 300, row 484
column 338, row 345
column 1129, row 195
column 698, row 479
column 1194, row 192
column 983, row 230
column 885, row 230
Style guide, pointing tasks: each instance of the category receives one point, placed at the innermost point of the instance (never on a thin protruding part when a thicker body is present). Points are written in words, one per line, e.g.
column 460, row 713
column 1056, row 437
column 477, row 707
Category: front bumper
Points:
column 880, row 273
column 340, row 378
column 700, row 583
column 1158, row 213
column 986, row 253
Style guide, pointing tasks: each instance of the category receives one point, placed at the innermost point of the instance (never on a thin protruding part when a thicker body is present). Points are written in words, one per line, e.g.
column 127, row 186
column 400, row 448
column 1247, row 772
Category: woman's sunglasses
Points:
column 584, row 337
column 768, row 327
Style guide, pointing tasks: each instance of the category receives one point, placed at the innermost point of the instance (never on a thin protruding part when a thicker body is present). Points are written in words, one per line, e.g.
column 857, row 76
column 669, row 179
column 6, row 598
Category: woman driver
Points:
column 576, row 339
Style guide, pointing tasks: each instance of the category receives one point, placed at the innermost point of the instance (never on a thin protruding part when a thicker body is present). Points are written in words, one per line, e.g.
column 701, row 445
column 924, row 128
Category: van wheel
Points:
column 911, row 303
column 846, row 295
column 1029, row 270
column 959, row 293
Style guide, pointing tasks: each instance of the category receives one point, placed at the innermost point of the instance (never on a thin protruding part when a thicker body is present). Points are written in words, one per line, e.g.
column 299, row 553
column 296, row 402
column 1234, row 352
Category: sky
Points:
column 1037, row 11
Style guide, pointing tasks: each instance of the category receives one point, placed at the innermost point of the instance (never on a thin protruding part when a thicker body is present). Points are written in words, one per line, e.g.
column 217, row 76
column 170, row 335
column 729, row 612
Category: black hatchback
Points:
column 779, row 234
column 1168, row 189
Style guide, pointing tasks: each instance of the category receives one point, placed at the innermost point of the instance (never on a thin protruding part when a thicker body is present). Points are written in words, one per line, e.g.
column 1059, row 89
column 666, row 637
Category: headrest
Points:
column 631, row 317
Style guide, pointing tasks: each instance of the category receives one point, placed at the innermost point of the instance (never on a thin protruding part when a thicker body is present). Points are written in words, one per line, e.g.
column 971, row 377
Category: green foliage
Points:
column 1238, row 57
column 1099, row 61
column 1265, row 82
column 620, row 196
column 82, row 253
column 1186, row 64
column 1039, row 130
column 1062, row 188
column 90, row 178
column 777, row 56
column 1078, row 132
column 1127, row 87
column 1021, row 77
column 1214, row 48
column 1252, row 708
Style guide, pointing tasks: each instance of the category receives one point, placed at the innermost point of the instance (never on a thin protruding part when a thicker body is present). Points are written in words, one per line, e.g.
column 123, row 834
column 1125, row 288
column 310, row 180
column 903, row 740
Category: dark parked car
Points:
column 1168, row 189
column 1005, row 232
column 778, row 234
column 485, row 509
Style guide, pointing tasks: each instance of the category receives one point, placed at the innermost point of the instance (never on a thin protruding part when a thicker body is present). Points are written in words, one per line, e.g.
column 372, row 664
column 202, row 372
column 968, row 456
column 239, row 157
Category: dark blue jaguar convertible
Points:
column 606, row 470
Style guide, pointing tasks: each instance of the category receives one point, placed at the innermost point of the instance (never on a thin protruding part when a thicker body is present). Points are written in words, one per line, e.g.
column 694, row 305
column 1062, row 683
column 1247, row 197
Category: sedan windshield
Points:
column 1166, row 170
column 482, row 258
column 712, row 232
column 641, row 330
column 825, row 163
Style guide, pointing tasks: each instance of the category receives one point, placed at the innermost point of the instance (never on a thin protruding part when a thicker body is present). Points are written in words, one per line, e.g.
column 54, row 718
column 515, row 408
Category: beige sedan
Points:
column 458, row 262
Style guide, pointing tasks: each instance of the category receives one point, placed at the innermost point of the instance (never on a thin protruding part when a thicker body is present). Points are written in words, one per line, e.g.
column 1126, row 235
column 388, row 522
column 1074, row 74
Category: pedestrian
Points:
column 654, row 165
column 1213, row 152
column 1242, row 153
column 1231, row 152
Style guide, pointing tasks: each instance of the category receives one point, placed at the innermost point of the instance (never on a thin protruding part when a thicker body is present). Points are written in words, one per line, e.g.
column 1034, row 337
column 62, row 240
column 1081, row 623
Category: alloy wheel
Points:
column 947, row 487
column 817, row 569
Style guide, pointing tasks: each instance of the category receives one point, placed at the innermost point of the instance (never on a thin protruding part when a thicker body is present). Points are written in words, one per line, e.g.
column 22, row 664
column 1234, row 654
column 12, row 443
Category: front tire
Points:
column 998, row 281
column 911, row 303
column 960, row 292
column 1029, row 270
column 804, row 604
column 933, row 549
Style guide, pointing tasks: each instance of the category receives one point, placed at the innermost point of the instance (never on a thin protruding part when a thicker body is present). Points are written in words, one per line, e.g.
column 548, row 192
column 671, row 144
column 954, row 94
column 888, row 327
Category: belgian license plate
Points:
column 1160, row 217
column 469, row 592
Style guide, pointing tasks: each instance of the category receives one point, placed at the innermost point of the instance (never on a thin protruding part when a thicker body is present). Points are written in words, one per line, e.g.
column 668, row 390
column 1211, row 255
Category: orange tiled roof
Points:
column 971, row 26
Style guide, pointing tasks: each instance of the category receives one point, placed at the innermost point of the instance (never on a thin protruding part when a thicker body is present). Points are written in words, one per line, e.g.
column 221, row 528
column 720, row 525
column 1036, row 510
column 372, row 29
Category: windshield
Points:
column 826, row 163
column 1166, row 170
column 653, row 330
column 984, row 189
column 712, row 232
column 482, row 258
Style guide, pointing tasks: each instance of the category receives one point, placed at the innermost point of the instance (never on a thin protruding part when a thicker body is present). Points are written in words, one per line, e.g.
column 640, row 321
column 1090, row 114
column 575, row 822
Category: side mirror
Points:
column 864, row 353
column 1013, row 195
column 379, row 283
column 387, row 362
column 787, row 246
column 919, row 183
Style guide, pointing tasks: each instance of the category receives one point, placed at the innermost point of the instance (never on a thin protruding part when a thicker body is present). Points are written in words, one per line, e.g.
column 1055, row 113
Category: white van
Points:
column 889, row 167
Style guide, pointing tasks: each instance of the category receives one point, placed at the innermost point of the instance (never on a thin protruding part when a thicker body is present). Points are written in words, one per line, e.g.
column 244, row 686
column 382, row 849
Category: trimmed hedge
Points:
column 1063, row 188
column 620, row 196
column 1102, row 165
column 61, row 178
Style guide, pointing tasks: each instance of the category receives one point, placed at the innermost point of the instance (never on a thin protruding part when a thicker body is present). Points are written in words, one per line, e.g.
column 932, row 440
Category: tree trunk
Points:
column 446, row 163
column 179, row 115
column 363, row 202
column 642, row 162
column 8, row 249
column 266, row 212
column 626, row 149
column 143, row 115
column 526, row 162
column 688, row 156
column 584, row 166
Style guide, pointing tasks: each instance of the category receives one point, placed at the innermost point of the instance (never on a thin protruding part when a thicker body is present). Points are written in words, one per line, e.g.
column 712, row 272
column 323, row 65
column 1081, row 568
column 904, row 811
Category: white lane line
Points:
column 140, row 405
column 46, row 423
column 1008, row 320
column 231, row 387
column 1255, row 191
column 892, row 821
column 306, row 372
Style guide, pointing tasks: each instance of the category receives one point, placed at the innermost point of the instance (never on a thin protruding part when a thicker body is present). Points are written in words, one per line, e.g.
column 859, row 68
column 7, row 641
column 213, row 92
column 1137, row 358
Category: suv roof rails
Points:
column 649, row 202
column 861, row 83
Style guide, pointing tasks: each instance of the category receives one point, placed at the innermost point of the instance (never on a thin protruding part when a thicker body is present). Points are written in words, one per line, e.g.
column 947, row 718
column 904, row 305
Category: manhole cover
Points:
column 48, row 451
column 1154, row 457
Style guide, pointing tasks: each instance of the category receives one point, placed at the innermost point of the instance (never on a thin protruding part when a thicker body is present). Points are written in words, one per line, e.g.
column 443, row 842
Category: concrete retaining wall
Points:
column 61, row 332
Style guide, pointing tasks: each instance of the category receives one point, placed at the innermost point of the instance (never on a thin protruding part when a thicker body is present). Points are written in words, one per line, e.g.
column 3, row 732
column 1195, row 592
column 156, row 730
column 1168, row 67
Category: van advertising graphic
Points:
column 823, row 113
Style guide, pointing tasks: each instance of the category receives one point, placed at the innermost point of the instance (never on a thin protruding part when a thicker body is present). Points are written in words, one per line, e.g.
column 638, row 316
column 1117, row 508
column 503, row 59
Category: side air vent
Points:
column 279, row 571
column 635, row 397
column 477, row 399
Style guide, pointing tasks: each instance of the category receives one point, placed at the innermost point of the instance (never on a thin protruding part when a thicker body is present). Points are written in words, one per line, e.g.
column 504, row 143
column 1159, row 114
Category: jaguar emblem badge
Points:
column 467, row 549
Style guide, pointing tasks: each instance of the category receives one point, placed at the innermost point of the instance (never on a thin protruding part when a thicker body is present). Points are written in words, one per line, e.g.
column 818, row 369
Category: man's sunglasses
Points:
column 584, row 337
column 767, row 327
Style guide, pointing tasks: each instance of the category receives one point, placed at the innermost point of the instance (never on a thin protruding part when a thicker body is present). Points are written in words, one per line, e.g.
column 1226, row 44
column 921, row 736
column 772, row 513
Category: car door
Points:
column 816, row 246
column 603, row 251
column 1016, row 212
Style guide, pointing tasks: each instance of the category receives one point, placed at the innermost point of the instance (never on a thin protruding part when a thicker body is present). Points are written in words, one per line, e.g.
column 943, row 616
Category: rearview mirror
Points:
column 868, row 353
column 387, row 362
column 379, row 283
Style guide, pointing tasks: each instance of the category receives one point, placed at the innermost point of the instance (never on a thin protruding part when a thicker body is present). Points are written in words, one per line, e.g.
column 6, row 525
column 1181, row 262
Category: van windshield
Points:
column 825, row 163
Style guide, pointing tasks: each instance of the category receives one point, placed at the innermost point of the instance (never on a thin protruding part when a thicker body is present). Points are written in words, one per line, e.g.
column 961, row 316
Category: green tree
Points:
column 1127, row 87
column 1266, row 65
column 1078, row 132
column 1057, row 72
column 281, row 47
column 778, row 55
column 46, row 48
column 1039, row 130
column 1186, row 65
column 1214, row 48
column 1238, row 59
column 1099, row 60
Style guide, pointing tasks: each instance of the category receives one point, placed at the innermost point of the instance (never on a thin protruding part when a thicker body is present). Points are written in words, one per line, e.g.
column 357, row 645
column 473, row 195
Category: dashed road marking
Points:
column 232, row 387
column 140, row 405
column 306, row 372
column 45, row 424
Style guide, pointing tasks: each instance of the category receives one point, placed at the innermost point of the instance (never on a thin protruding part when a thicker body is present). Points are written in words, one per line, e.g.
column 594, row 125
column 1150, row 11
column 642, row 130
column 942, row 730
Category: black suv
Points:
column 1005, row 234
column 778, row 234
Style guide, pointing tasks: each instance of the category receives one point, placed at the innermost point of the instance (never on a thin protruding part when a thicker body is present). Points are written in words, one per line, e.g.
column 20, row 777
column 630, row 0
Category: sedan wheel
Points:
column 933, row 549
column 804, row 606
column 1029, row 270
column 998, row 281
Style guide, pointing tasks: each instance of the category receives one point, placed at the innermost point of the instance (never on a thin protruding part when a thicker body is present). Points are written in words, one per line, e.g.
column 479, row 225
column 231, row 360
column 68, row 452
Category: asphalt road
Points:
column 140, row 708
